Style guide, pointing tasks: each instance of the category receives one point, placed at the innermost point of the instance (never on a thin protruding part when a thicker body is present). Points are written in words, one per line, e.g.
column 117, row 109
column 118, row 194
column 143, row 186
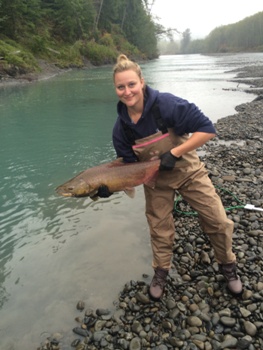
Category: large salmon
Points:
column 118, row 176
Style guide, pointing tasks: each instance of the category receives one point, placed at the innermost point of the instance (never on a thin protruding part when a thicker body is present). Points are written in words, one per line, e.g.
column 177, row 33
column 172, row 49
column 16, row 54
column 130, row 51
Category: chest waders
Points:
column 190, row 178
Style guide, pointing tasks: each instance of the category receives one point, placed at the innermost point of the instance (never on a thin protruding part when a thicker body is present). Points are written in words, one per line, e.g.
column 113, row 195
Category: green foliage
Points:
column 63, row 31
column 19, row 16
column 13, row 54
column 140, row 29
column 70, row 18
column 38, row 44
column 68, row 56
column 245, row 35
column 50, row 29
column 197, row 46
column 130, row 50
column 123, row 45
column 98, row 54
column 110, row 13
column 107, row 40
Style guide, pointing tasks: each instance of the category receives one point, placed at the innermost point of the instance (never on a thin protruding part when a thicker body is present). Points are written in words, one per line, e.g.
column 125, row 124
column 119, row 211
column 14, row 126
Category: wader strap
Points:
column 158, row 119
column 128, row 132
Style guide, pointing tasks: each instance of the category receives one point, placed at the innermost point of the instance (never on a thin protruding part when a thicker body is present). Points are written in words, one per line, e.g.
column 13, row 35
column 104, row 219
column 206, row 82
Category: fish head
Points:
column 78, row 188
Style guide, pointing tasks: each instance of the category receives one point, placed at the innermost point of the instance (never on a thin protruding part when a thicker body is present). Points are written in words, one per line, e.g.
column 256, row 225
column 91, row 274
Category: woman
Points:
column 152, row 123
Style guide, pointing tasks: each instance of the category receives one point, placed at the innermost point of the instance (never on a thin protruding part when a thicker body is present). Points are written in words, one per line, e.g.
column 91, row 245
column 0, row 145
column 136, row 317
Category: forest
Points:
column 72, row 33
column 243, row 36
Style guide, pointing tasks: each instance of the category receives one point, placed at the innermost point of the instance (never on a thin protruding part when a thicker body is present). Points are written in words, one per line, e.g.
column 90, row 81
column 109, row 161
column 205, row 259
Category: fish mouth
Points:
column 64, row 194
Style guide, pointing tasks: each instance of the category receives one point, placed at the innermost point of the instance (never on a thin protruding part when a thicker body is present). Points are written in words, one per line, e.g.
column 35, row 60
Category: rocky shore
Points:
column 197, row 312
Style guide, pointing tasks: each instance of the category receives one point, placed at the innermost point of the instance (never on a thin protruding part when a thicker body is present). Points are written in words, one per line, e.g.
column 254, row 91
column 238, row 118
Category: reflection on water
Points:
column 55, row 251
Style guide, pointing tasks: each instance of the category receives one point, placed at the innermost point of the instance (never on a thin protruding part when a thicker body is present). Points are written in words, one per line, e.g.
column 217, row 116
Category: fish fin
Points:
column 95, row 198
column 130, row 191
column 94, row 195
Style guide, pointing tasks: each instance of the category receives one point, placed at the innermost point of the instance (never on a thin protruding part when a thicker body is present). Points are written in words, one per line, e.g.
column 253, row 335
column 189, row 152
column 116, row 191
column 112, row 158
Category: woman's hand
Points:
column 168, row 161
column 103, row 192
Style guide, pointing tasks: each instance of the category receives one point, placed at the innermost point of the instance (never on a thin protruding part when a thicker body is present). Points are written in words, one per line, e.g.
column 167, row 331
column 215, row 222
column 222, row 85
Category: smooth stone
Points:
column 244, row 312
column 194, row 321
column 135, row 344
column 229, row 342
column 250, row 328
column 228, row 321
column 144, row 299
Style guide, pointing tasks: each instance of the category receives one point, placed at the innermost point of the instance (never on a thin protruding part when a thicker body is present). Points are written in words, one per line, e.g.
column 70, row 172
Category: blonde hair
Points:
column 123, row 64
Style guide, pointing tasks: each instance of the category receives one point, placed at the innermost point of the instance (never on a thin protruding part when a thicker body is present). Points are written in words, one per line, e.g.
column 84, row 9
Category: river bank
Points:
column 197, row 311
column 47, row 71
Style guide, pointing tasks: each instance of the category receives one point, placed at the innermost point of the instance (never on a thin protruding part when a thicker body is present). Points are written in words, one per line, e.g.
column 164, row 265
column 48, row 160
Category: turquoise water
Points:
column 55, row 251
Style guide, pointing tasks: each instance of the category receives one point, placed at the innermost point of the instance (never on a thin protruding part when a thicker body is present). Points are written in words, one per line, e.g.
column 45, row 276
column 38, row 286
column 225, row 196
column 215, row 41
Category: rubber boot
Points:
column 158, row 283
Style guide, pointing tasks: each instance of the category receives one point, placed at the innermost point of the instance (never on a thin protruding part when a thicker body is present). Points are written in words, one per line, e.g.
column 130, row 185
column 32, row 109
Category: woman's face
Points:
column 129, row 88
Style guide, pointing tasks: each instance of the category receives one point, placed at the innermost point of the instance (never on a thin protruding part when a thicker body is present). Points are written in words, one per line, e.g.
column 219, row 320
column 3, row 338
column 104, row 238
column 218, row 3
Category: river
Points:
column 55, row 251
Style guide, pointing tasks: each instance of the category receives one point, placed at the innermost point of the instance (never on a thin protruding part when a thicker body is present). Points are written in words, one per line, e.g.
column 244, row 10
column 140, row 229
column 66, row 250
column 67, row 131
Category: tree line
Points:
column 245, row 35
column 70, row 29
column 72, row 20
column 68, row 32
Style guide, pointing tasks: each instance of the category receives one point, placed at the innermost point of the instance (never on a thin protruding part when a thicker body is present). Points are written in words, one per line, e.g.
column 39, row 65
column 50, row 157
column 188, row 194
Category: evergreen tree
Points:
column 18, row 17
column 140, row 28
column 185, row 42
column 70, row 18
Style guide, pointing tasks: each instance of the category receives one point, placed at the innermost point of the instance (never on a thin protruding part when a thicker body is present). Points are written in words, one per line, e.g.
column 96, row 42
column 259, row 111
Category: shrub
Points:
column 106, row 40
column 14, row 55
column 98, row 54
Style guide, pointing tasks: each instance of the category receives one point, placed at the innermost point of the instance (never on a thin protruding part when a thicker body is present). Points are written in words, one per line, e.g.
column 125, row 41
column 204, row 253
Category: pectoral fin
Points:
column 94, row 195
column 95, row 198
column 130, row 191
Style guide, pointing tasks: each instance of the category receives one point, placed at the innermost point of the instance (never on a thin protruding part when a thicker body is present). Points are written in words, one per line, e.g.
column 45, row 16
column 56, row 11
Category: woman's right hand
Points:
column 103, row 192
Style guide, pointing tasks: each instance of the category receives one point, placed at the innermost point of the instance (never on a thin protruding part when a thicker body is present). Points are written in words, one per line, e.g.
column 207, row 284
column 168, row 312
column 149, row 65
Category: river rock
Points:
column 250, row 328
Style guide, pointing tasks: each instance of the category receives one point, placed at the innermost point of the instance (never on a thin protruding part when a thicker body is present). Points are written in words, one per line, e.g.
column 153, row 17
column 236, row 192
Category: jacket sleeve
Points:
column 122, row 146
column 185, row 117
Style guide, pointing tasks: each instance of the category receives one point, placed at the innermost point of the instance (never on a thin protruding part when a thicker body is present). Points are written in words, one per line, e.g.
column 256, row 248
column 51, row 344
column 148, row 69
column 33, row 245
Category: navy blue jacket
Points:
column 177, row 113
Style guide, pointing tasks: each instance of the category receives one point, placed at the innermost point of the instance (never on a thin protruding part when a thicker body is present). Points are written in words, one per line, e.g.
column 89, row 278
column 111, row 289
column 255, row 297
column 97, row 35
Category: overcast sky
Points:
column 202, row 16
